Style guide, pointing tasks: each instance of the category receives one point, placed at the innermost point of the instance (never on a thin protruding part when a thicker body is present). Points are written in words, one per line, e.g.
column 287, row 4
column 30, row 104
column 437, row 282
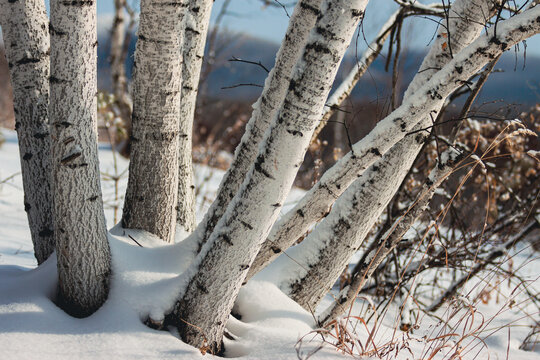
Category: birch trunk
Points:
column 272, row 248
column 222, row 264
column 372, row 259
column 369, row 55
column 26, row 38
column 349, row 222
column 118, row 35
column 196, row 28
column 151, row 195
column 80, row 233
column 467, row 19
column 117, row 61
column 265, row 109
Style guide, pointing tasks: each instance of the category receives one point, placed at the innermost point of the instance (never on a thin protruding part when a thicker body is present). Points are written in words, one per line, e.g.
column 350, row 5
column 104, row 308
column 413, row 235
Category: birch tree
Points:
column 204, row 306
column 302, row 21
column 371, row 258
column 195, row 31
column 252, row 193
column 81, row 236
column 151, row 195
column 25, row 28
column 377, row 186
column 118, row 59
column 317, row 202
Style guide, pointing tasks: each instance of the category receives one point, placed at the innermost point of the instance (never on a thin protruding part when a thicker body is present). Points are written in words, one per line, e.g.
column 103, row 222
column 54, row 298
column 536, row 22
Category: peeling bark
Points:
column 151, row 195
column 25, row 28
column 81, row 237
column 222, row 264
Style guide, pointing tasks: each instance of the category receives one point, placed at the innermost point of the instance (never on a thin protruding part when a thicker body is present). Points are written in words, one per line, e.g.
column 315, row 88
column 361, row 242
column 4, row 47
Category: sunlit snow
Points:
column 146, row 277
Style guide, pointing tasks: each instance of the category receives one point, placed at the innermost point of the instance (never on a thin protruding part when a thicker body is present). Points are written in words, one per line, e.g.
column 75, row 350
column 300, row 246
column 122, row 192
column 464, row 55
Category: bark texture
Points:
column 272, row 248
column 151, row 195
column 118, row 35
column 117, row 61
column 467, row 19
column 80, row 233
column 348, row 84
column 264, row 110
column 195, row 31
column 370, row 54
column 25, row 28
column 221, row 266
column 347, row 225
column 373, row 258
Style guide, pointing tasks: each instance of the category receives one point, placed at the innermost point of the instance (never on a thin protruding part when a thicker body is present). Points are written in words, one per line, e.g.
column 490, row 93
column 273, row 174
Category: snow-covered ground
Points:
column 146, row 280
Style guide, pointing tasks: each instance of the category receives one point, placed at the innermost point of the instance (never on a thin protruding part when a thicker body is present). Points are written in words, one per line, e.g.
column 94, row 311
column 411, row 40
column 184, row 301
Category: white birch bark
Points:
column 222, row 264
column 272, row 248
column 151, row 195
column 195, row 31
column 343, row 91
column 80, row 233
column 371, row 260
column 117, row 61
column 370, row 194
column 467, row 19
column 25, row 28
column 118, row 35
column 264, row 110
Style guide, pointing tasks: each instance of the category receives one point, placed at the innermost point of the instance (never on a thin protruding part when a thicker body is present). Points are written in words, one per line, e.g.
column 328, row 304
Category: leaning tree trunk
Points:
column 26, row 37
column 222, row 264
column 317, row 202
column 151, row 194
column 348, row 84
column 374, row 256
column 392, row 166
column 276, row 241
column 80, row 233
column 373, row 191
column 301, row 22
column 196, row 28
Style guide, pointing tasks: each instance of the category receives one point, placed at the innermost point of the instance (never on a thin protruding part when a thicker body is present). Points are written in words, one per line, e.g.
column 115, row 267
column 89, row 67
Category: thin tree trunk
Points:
column 371, row 260
column 265, row 109
column 80, row 233
column 318, row 201
column 370, row 54
column 348, row 224
column 272, row 248
column 117, row 61
column 151, row 195
column 196, row 29
column 222, row 264
column 26, row 38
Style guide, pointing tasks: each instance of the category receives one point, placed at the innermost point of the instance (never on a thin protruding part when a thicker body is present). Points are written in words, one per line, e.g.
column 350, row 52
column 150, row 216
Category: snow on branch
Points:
column 420, row 104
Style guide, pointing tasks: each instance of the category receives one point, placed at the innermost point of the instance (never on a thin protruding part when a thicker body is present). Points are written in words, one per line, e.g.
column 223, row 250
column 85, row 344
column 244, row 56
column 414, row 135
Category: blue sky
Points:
column 270, row 23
